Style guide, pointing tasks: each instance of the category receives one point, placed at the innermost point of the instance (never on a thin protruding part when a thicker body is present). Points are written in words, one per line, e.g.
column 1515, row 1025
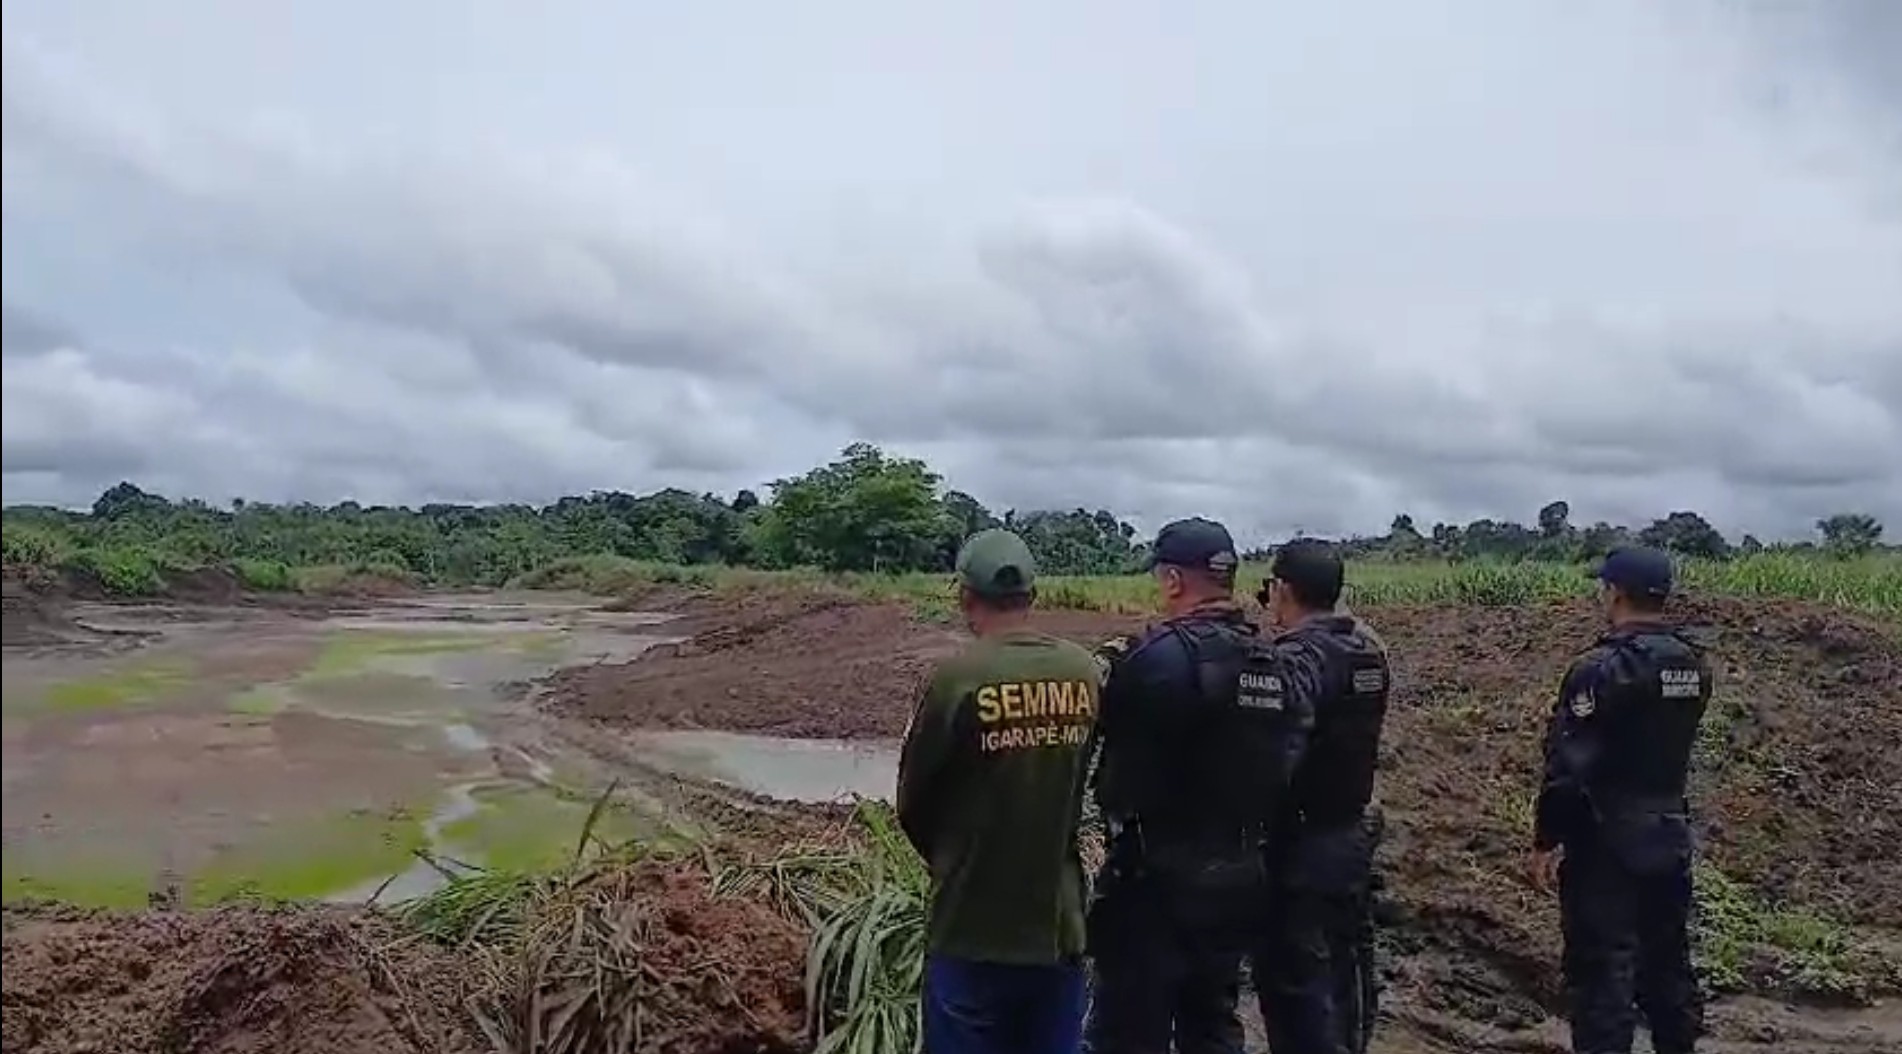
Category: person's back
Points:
column 1314, row 984
column 1016, row 709
column 990, row 794
column 1200, row 736
column 1612, row 824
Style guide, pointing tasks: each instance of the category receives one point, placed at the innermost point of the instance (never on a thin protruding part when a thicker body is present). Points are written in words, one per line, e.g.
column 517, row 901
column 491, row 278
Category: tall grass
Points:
column 866, row 906
column 1871, row 584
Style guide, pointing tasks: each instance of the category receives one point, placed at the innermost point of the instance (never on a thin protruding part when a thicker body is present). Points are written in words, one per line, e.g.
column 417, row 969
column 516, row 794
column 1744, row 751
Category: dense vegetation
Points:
column 865, row 512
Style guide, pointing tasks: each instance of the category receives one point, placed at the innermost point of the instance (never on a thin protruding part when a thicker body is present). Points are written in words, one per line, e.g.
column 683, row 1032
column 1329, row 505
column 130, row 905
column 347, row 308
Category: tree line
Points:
column 864, row 511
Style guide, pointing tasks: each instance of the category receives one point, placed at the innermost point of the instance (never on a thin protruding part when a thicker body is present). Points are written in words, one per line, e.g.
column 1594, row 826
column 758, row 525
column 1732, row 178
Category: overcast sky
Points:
column 1292, row 264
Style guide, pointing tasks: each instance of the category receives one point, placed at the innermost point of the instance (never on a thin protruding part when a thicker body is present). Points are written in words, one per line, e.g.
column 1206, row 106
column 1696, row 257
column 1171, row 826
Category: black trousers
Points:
column 1627, row 953
column 1159, row 978
column 1295, row 972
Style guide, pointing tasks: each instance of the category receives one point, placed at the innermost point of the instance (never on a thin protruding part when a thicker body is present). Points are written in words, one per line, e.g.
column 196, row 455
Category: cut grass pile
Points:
column 624, row 947
column 561, row 949
column 865, row 904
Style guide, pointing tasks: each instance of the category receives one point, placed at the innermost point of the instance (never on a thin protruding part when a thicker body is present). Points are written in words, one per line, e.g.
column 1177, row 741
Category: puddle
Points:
column 304, row 756
column 465, row 737
column 420, row 878
column 805, row 770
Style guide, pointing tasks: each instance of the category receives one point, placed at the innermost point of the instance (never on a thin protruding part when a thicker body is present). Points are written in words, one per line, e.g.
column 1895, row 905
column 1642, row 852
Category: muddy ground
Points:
column 712, row 975
column 1801, row 813
column 488, row 747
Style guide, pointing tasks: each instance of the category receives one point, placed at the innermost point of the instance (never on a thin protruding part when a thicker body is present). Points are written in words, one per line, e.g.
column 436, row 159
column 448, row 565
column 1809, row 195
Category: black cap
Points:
column 1195, row 542
column 1638, row 571
column 1312, row 569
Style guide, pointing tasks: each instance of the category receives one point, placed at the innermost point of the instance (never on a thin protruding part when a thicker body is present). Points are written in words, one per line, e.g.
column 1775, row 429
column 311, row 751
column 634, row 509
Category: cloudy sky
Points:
column 1287, row 263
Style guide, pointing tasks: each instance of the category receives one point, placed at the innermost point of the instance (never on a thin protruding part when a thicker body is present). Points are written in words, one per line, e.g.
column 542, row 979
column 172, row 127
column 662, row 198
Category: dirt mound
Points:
column 641, row 958
column 1787, row 785
column 807, row 665
column 646, row 958
column 231, row 981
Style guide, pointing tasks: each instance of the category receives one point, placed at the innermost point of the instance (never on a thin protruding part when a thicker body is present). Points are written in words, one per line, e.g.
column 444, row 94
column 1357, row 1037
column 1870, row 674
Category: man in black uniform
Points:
column 1200, row 736
column 1312, row 971
column 1613, row 823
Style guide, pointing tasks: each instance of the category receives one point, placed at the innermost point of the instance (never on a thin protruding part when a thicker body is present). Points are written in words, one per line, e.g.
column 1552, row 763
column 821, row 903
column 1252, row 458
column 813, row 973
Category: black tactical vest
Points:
column 1653, row 688
column 1336, row 781
column 1211, row 765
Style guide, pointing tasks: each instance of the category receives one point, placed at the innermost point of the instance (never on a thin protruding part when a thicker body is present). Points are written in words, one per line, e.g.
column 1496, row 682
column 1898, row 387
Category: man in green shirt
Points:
column 990, row 786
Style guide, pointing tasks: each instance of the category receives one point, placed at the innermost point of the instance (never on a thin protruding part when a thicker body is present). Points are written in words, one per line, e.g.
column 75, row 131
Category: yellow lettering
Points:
column 1058, row 695
column 987, row 704
column 1013, row 700
column 1085, row 699
column 1036, row 699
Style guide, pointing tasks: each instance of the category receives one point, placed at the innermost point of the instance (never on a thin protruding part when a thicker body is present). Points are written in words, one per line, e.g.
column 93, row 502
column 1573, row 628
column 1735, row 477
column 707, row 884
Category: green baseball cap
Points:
column 996, row 563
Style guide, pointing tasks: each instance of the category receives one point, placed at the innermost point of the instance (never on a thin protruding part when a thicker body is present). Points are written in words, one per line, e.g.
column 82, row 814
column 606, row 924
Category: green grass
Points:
column 867, row 909
column 137, row 682
column 1871, row 584
column 1744, row 942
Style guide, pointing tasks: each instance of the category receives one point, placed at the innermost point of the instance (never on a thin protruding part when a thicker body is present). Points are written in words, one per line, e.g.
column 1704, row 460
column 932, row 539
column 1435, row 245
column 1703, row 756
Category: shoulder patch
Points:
column 1369, row 680
column 1680, row 684
column 1583, row 704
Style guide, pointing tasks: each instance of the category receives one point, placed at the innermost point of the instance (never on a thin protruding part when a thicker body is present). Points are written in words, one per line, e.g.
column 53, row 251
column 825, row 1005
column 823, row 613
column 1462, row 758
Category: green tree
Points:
column 1850, row 533
column 1686, row 533
column 863, row 512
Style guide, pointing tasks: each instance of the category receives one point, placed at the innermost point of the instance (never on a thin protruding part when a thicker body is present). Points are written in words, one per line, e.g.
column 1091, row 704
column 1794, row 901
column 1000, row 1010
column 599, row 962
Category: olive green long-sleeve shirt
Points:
column 990, row 786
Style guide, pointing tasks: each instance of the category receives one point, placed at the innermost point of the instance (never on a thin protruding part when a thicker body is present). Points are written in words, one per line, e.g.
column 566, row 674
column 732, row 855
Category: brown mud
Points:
column 1792, row 789
column 1794, row 784
column 235, row 980
column 706, row 974
column 44, row 611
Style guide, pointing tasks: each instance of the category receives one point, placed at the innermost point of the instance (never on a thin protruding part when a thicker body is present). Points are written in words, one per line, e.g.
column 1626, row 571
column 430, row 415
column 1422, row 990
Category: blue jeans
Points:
column 996, row 1008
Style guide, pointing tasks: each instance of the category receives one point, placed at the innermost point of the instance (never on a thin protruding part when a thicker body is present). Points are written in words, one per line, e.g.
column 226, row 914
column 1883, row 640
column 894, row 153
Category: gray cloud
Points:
column 1419, row 269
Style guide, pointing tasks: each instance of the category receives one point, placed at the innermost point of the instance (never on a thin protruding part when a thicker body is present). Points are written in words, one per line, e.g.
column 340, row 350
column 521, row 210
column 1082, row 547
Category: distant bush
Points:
column 265, row 576
column 30, row 546
column 123, row 572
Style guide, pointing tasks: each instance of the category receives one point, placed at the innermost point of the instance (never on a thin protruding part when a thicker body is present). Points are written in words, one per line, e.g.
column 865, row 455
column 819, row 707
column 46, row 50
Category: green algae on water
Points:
column 349, row 651
column 138, row 682
column 312, row 859
column 88, row 881
column 525, row 830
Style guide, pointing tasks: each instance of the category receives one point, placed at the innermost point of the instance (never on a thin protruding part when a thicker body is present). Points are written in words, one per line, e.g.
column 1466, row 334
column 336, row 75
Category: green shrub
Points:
column 123, row 572
column 265, row 576
column 31, row 549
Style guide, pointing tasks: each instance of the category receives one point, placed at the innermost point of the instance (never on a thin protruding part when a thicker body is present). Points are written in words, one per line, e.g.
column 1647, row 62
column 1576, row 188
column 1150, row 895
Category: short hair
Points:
column 1311, row 572
column 1003, row 602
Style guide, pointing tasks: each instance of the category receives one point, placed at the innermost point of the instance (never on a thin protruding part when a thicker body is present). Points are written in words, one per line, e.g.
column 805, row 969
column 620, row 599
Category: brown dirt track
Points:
column 1794, row 786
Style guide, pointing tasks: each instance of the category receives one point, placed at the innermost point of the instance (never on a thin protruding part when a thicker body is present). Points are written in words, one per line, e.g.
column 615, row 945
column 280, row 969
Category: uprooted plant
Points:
column 626, row 948
column 865, row 905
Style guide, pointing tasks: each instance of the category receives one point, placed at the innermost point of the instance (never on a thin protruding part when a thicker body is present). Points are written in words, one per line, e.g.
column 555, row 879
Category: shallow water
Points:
column 271, row 725
column 806, row 770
